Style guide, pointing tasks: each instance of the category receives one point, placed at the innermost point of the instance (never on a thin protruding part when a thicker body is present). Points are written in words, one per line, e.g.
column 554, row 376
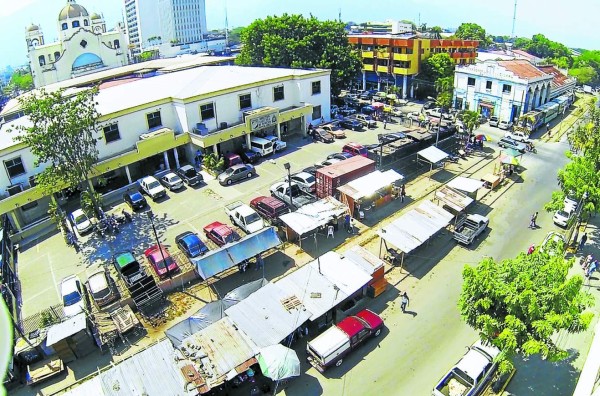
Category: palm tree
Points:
column 470, row 120
column 213, row 163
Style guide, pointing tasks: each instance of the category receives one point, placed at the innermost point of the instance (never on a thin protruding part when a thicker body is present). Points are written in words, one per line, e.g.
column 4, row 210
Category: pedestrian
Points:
column 402, row 192
column 532, row 223
column 535, row 215
column 531, row 249
column 591, row 269
column 285, row 129
column 260, row 264
column 330, row 231
column 583, row 241
column 404, row 302
column 347, row 222
column 384, row 123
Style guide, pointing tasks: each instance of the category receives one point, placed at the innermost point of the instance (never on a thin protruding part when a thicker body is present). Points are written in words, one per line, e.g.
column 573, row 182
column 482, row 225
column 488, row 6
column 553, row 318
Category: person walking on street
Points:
column 260, row 263
column 402, row 192
column 347, row 223
column 532, row 223
column 583, row 241
column 384, row 123
column 404, row 302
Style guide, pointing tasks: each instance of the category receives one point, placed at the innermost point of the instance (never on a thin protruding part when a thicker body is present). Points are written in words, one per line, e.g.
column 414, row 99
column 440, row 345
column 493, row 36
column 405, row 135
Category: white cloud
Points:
column 10, row 7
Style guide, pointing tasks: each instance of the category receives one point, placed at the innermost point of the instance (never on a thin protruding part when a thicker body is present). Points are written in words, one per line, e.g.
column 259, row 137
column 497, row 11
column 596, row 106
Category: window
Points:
column 64, row 26
column 409, row 51
column 42, row 60
column 316, row 114
column 111, row 133
column 75, row 24
column 56, row 56
column 245, row 101
column 471, row 82
column 278, row 94
column 154, row 120
column 207, row 111
column 83, row 43
column 488, row 85
column 117, row 44
column 14, row 167
column 316, row 87
column 85, row 22
column 506, row 88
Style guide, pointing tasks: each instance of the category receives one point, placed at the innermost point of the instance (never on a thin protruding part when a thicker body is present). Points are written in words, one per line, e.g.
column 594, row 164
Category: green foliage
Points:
column 235, row 35
column 212, row 163
column 298, row 42
column 57, row 215
column 585, row 75
column 61, row 136
column 470, row 119
column 444, row 87
column 148, row 55
column 90, row 201
column 47, row 318
column 545, row 48
column 438, row 66
column 20, row 81
column 519, row 304
column 472, row 31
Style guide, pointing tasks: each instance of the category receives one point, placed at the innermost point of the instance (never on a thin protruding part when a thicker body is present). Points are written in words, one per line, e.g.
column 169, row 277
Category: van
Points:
column 355, row 149
column 232, row 159
column 270, row 208
column 261, row 146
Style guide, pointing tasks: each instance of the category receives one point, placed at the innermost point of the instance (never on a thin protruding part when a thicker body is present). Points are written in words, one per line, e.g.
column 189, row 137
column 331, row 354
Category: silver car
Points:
column 235, row 173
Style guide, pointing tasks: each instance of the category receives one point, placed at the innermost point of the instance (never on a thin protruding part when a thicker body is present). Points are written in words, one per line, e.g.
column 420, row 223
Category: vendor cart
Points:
column 491, row 181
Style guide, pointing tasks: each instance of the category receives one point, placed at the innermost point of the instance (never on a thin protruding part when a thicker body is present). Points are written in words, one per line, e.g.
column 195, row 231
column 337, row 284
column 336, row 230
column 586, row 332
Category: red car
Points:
column 220, row 233
column 154, row 256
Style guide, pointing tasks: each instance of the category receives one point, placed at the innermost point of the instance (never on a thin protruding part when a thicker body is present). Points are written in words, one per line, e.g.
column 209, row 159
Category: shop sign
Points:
column 263, row 121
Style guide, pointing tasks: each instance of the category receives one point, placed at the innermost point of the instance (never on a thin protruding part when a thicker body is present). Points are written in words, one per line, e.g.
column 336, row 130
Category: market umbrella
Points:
column 278, row 362
column 485, row 138
column 512, row 152
column 509, row 159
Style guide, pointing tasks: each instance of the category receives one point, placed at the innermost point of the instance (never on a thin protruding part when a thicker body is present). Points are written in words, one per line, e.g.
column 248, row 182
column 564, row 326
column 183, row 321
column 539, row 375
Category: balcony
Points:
column 367, row 54
column 383, row 69
column 368, row 67
column 383, row 54
column 402, row 71
column 403, row 57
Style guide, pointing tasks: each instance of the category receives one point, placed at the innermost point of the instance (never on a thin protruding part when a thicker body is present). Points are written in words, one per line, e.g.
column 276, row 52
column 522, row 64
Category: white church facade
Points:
column 84, row 46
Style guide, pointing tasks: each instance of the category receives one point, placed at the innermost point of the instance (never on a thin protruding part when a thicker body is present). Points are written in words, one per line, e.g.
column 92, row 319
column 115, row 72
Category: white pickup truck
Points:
column 472, row 374
column 469, row 228
column 244, row 217
column 152, row 187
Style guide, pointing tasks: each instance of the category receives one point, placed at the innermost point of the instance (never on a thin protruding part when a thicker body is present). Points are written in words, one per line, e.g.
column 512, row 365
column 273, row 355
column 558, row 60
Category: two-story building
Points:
column 160, row 121
column 395, row 59
column 506, row 89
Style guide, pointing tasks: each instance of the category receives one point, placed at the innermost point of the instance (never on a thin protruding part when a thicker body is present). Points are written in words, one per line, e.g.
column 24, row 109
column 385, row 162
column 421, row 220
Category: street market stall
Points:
column 466, row 185
column 433, row 155
column 491, row 180
column 372, row 265
column 413, row 229
column 452, row 199
column 370, row 191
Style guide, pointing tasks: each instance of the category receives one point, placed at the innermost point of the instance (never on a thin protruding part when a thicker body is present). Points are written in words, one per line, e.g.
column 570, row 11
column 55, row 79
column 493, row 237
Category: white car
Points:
column 152, row 187
column 505, row 124
column 327, row 162
column 81, row 222
column 172, row 181
column 305, row 180
column 570, row 204
column 416, row 116
column 71, row 293
column 517, row 135
column 278, row 145
column 561, row 218
column 99, row 287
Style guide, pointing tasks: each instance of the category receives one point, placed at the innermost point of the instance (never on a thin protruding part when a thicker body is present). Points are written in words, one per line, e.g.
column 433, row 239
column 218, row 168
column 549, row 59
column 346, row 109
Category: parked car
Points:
column 352, row 124
column 335, row 130
column 340, row 156
column 415, row 116
column 561, row 218
column 152, row 187
column 494, row 121
column 236, row 173
column 250, row 157
column 128, row 267
column 100, row 287
column 160, row 259
column 311, row 169
column 220, row 233
column 518, row 136
column 366, row 120
column 81, row 222
column 323, row 136
column 172, row 181
column 189, row 175
column 346, row 111
column 390, row 137
column 327, row 162
column 134, row 199
column 570, row 203
column 71, row 292
column 554, row 243
column 513, row 144
column 306, row 181
column 368, row 110
column 190, row 244
column 282, row 191
column 429, row 105
column 231, row 159
column 270, row 208
column 244, row 217
column 278, row 145
column 355, row 149
column 505, row 124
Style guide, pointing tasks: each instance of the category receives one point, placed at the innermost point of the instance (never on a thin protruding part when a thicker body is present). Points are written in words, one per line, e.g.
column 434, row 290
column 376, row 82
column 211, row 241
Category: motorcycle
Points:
column 113, row 224
column 128, row 217
column 101, row 228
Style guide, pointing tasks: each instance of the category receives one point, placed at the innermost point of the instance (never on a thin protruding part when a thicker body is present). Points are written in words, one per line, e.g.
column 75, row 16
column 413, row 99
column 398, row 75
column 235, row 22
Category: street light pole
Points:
column 160, row 249
column 288, row 167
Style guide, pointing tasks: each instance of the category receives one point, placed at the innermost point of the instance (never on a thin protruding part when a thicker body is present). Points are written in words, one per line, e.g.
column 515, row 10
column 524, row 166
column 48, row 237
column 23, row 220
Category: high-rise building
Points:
column 84, row 45
column 154, row 22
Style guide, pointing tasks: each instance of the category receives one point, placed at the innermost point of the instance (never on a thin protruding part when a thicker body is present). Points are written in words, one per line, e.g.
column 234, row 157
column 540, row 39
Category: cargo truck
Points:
column 330, row 177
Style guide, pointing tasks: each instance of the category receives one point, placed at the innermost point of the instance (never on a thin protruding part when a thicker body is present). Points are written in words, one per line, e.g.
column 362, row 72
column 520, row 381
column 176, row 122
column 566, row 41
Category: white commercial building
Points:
column 152, row 23
column 160, row 122
column 506, row 89
column 84, row 46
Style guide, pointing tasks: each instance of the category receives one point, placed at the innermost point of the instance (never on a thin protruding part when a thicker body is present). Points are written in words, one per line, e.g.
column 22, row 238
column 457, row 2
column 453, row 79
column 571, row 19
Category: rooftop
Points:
column 522, row 68
column 559, row 79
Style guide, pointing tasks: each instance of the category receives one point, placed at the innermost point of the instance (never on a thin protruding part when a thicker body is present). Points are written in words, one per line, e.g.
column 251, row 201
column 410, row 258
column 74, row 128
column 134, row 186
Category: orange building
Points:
column 395, row 59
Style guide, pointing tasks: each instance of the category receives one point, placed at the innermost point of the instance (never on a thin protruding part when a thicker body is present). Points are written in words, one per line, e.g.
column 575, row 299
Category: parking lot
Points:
column 45, row 261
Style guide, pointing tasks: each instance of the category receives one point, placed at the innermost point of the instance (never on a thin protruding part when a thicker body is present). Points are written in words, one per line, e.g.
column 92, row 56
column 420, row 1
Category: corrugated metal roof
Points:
column 315, row 291
column 224, row 345
column 364, row 259
column 264, row 319
column 341, row 272
column 150, row 372
column 522, row 68
column 368, row 185
column 312, row 216
column 558, row 79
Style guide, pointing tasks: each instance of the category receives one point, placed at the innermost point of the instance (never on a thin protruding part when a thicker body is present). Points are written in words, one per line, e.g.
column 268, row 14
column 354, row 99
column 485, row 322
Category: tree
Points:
column 518, row 304
column 213, row 163
column 235, row 35
column 438, row 66
column 20, row 81
column 444, row 87
column 585, row 138
column 586, row 75
column 298, row 42
column 470, row 31
column 61, row 135
column 471, row 120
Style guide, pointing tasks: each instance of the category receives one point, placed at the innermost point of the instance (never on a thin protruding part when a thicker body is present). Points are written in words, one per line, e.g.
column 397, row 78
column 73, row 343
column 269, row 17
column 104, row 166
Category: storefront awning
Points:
column 369, row 184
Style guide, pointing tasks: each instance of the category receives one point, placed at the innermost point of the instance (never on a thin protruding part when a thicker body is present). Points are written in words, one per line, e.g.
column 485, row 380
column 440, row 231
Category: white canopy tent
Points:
column 453, row 199
column 312, row 216
column 433, row 154
column 465, row 184
column 369, row 184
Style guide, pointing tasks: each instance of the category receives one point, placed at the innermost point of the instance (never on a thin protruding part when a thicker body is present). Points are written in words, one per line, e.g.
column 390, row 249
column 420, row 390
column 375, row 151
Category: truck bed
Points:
column 453, row 385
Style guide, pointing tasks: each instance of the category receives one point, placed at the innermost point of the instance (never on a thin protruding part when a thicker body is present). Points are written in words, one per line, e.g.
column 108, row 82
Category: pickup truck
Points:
column 281, row 190
column 469, row 228
column 331, row 346
column 244, row 217
column 366, row 120
column 142, row 287
column 152, row 187
column 472, row 374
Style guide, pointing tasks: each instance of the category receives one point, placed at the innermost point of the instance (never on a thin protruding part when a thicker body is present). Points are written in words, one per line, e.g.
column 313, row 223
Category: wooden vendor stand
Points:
column 491, row 181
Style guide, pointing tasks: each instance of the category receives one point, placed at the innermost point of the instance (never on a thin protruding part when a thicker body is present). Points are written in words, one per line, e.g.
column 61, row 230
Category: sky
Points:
column 570, row 22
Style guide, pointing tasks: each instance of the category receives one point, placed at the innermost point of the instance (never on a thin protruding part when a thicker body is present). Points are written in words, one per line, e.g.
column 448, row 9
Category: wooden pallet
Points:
column 290, row 303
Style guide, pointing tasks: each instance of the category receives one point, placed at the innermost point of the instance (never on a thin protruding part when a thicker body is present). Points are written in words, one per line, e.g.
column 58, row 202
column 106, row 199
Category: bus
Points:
column 550, row 111
column 530, row 121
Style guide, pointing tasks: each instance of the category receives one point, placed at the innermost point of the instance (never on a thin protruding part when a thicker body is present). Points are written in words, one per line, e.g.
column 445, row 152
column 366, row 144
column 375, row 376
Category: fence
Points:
column 53, row 314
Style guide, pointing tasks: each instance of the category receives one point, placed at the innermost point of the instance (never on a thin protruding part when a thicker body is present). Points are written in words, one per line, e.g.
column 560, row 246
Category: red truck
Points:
column 329, row 178
column 329, row 348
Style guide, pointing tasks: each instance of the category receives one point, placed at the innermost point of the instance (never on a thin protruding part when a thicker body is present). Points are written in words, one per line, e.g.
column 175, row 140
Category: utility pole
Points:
column 512, row 35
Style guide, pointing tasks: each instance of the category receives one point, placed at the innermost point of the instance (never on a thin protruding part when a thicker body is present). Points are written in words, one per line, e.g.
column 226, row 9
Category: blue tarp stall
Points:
column 230, row 255
column 211, row 312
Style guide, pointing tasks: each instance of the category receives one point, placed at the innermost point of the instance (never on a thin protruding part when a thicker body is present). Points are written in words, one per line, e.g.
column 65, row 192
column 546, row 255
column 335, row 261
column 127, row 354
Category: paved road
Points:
column 422, row 345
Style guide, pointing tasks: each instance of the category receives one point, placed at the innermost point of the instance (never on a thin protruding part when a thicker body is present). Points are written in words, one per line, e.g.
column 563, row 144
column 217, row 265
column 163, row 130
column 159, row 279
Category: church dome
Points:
column 95, row 16
column 33, row 28
column 72, row 10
